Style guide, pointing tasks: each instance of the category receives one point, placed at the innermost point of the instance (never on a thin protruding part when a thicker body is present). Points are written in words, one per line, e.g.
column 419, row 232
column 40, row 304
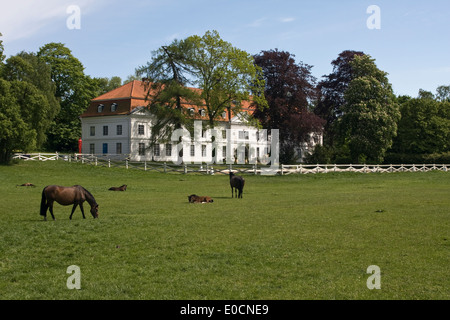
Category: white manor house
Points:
column 118, row 124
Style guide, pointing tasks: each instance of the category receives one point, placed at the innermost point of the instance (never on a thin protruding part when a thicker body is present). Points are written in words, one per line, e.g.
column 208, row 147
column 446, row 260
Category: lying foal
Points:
column 193, row 198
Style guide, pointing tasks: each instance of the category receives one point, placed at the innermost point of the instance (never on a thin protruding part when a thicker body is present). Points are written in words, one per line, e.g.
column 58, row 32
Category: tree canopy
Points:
column 370, row 112
column 224, row 74
column 74, row 90
column 289, row 90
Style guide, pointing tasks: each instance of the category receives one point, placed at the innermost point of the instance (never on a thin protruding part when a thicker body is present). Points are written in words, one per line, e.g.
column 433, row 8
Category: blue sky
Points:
column 412, row 44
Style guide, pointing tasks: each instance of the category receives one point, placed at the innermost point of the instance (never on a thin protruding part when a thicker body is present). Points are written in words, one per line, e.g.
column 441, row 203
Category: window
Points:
column 100, row 107
column 203, row 150
column 118, row 148
column 202, row 112
column 224, row 152
column 192, row 150
column 141, row 129
column 119, row 130
column 168, row 149
column 224, row 134
column 92, row 131
column 191, row 111
column 243, row 135
column 105, row 130
column 224, row 114
column 156, row 150
column 105, row 148
column 141, row 149
column 114, row 107
column 92, row 148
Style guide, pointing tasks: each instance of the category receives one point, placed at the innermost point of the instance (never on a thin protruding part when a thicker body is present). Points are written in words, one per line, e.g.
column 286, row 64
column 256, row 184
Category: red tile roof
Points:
column 131, row 95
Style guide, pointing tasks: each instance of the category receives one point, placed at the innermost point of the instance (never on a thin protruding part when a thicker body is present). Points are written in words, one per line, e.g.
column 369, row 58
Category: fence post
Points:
column 165, row 167
column 109, row 163
column 145, row 165
column 126, row 164
column 282, row 167
column 185, row 168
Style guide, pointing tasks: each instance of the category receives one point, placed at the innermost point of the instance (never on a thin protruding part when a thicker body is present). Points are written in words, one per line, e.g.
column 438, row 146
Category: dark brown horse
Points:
column 121, row 188
column 236, row 183
column 65, row 196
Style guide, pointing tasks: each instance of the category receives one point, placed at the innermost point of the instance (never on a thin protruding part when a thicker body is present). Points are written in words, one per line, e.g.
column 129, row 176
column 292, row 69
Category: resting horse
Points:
column 121, row 188
column 26, row 185
column 193, row 198
column 237, row 183
column 65, row 196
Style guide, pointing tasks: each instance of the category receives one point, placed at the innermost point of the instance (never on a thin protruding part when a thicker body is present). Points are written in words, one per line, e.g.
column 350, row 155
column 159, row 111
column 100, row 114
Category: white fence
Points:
column 363, row 168
column 122, row 161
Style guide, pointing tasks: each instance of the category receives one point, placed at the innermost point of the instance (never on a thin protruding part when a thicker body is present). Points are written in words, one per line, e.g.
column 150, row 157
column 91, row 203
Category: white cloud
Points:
column 289, row 19
column 257, row 23
column 21, row 19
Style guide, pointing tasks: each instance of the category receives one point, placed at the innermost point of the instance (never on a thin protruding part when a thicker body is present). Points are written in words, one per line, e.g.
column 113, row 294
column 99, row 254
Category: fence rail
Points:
column 123, row 161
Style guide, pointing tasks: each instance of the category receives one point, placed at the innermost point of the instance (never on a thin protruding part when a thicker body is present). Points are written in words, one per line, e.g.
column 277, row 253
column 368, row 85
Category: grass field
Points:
column 291, row 237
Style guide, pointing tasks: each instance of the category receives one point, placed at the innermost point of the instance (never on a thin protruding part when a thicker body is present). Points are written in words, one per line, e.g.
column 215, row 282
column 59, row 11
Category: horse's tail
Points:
column 43, row 204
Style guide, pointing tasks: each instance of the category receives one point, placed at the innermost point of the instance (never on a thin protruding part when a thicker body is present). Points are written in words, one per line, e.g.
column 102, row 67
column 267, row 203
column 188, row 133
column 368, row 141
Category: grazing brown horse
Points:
column 193, row 198
column 236, row 183
column 65, row 196
column 121, row 188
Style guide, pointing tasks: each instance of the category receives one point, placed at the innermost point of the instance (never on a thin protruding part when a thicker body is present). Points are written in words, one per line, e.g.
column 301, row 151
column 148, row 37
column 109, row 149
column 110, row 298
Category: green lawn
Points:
column 290, row 237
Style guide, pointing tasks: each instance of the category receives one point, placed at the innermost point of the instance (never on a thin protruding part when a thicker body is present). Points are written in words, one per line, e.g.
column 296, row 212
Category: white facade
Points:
column 130, row 136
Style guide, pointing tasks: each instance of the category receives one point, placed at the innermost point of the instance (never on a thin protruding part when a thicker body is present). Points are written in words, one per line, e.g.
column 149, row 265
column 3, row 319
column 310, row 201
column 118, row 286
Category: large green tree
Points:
column 424, row 127
column 224, row 74
column 34, row 91
column 74, row 90
column 166, row 80
column 15, row 132
column 331, row 93
column 27, row 103
column 370, row 113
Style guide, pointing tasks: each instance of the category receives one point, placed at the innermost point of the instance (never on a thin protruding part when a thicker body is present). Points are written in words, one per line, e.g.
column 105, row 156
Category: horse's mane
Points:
column 89, row 194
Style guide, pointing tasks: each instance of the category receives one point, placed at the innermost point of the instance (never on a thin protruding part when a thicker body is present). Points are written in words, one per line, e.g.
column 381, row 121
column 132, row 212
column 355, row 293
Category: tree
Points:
column 167, row 92
column 224, row 74
column 106, row 84
column 15, row 132
column 74, row 90
column 370, row 113
column 424, row 127
column 289, row 90
column 443, row 93
column 2, row 49
column 331, row 93
column 34, row 91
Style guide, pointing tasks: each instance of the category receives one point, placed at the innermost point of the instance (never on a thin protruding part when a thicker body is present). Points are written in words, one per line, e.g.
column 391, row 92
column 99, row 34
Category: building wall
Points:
column 135, row 140
column 105, row 133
